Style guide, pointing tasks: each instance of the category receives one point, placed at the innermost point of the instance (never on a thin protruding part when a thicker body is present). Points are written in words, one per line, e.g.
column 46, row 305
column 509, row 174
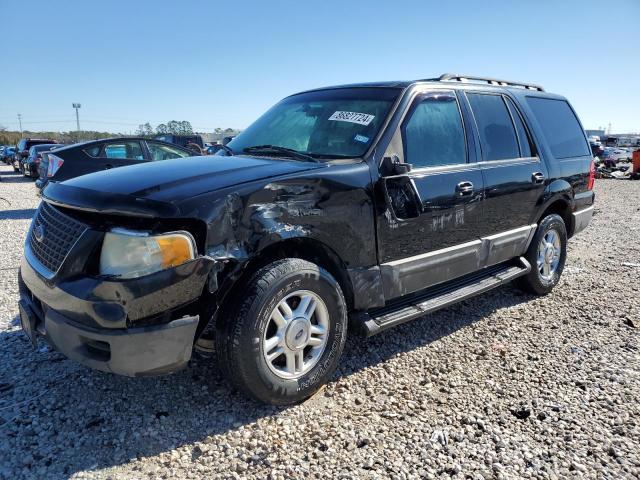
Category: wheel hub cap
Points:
column 297, row 334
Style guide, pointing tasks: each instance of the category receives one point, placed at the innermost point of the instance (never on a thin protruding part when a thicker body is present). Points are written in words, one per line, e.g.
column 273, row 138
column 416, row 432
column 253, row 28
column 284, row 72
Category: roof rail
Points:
column 491, row 81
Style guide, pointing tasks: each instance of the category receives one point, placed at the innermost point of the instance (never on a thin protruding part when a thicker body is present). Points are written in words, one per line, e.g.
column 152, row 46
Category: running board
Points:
column 440, row 296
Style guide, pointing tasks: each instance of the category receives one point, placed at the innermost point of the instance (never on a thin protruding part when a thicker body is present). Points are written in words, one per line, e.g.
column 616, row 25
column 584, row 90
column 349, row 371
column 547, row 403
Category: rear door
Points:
column 514, row 175
column 429, row 232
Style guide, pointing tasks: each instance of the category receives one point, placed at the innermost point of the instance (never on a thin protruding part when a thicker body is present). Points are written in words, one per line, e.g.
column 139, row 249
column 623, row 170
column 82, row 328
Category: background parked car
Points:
column 82, row 158
column 611, row 156
column 22, row 149
column 213, row 148
column 30, row 165
column 7, row 154
column 596, row 148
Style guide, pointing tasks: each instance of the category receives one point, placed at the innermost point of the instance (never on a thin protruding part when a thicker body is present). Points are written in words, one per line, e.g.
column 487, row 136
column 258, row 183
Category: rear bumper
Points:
column 132, row 352
column 581, row 219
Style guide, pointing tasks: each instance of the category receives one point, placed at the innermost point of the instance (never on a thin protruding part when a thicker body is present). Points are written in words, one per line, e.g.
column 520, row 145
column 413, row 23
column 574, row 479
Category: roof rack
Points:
column 491, row 81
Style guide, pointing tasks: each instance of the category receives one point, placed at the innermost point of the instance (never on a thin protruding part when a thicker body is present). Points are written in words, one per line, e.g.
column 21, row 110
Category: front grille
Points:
column 58, row 234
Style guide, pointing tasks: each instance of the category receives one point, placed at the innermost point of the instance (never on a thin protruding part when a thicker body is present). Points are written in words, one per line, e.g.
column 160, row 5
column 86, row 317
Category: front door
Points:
column 429, row 232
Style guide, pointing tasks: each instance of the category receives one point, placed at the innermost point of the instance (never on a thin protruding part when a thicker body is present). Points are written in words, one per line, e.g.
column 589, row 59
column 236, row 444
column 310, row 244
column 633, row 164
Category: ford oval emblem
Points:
column 38, row 232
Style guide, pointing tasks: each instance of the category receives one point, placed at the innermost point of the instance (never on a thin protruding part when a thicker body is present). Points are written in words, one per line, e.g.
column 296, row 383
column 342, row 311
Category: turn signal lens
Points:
column 175, row 250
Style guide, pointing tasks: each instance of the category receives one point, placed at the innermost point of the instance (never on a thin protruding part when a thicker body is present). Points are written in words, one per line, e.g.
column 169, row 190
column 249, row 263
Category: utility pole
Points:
column 20, row 122
column 77, row 107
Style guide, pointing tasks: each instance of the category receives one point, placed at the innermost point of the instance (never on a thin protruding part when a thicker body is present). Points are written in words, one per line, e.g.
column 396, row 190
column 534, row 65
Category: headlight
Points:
column 128, row 254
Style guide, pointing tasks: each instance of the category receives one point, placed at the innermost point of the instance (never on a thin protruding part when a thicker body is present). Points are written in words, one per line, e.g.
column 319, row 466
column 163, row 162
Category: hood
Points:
column 154, row 188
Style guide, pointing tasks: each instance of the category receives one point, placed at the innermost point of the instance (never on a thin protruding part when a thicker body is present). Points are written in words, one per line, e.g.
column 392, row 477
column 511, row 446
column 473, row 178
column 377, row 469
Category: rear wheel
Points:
column 546, row 254
column 284, row 336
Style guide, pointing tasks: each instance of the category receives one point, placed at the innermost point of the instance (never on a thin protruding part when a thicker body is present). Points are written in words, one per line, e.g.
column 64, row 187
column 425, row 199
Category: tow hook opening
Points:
column 97, row 349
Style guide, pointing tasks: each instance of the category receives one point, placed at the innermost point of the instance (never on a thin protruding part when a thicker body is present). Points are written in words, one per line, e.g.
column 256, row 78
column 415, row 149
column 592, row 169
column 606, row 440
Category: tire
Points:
column 546, row 270
column 248, row 333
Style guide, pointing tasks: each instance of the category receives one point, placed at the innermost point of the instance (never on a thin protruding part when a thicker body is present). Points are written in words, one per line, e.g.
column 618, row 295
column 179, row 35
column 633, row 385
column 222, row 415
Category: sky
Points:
column 222, row 64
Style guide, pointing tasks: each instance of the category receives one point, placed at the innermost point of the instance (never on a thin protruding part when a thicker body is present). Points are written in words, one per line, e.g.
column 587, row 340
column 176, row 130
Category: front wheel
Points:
column 285, row 332
column 546, row 254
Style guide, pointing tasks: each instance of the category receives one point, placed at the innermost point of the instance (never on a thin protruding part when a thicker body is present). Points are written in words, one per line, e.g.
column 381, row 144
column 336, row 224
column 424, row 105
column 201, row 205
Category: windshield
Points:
column 339, row 123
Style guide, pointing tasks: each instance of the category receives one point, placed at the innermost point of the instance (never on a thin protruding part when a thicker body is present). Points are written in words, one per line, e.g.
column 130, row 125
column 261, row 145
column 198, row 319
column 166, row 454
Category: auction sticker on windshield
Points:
column 352, row 117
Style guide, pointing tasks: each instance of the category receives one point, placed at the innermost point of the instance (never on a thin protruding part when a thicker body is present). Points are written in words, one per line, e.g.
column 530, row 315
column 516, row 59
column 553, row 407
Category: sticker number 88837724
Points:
column 352, row 117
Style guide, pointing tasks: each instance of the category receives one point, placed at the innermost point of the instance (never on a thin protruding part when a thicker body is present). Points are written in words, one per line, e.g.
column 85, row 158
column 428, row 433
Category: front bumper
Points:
column 133, row 352
column 131, row 327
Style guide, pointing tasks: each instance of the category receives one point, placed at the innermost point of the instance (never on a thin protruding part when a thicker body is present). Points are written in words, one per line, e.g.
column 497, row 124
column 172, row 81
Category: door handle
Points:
column 108, row 166
column 464, row 188
column 537, row 177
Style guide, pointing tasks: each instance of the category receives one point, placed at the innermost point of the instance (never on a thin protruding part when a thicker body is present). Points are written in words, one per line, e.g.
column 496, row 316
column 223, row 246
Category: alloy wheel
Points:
column 296, row 334
column 549, row 251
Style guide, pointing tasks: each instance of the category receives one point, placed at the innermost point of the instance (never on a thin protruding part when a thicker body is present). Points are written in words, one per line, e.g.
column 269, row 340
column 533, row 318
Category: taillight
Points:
column 592, row 175
column 55, row 163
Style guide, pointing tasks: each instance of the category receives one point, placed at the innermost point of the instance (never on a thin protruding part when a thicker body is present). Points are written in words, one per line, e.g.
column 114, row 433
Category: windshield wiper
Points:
column 265, row 149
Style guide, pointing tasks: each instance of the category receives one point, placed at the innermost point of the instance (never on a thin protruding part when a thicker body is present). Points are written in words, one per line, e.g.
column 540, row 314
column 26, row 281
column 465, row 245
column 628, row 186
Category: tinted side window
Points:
column 497, row 136
column 560, row 127
column 125, row 150
column 523, row 136
column 164, row 152
column 433, row 135
column 93, row 151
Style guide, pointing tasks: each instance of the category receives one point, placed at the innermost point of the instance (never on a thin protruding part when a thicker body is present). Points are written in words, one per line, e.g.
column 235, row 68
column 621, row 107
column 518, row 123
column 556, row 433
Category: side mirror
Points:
column 393, row 166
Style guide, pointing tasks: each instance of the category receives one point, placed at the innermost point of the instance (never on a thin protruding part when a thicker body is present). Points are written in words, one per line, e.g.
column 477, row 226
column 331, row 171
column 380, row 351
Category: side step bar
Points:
column 435, row 298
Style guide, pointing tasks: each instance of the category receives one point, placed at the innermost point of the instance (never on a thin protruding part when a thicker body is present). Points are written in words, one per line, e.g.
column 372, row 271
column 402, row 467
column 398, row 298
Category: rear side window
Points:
column 93, row 151
column 560, row 127
column 433, row 135
column 124, row 150
column 497, row 136
column 164, row 152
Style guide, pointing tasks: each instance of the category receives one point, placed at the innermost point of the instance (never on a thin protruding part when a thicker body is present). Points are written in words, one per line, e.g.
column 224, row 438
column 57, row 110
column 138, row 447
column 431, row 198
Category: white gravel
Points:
column 505, row 385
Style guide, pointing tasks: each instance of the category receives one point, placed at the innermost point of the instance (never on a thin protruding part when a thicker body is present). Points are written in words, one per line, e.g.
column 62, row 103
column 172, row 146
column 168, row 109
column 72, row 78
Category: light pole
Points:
column 77, row 107
column 20, row 122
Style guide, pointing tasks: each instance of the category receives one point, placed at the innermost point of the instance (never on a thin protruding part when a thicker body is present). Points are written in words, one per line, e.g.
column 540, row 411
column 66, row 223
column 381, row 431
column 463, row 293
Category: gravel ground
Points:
column 505, row 385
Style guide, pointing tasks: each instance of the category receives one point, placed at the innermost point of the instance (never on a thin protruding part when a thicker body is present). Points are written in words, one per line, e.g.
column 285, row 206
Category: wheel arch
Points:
column 305, row 248
column 559, row 205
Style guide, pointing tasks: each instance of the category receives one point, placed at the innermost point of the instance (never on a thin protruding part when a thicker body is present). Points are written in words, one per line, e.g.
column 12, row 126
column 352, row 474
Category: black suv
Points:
column 347, row 208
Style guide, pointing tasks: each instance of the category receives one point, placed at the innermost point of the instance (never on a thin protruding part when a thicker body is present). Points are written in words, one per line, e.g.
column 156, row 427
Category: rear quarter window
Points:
column 560, row 127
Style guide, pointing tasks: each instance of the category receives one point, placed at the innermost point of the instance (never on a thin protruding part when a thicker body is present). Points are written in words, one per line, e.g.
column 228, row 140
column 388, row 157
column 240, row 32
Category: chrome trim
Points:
column 410, row 274
column 504, row 246
column 581, row 219
column 507, row 162
column 433, row 253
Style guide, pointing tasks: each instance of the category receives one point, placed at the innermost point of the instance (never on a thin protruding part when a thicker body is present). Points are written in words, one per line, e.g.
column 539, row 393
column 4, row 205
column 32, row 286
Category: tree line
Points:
column 175, row 127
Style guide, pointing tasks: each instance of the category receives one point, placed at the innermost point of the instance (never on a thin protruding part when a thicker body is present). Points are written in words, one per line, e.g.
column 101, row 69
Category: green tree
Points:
column 162, row 129
column 185, row 128
column 144, row 130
